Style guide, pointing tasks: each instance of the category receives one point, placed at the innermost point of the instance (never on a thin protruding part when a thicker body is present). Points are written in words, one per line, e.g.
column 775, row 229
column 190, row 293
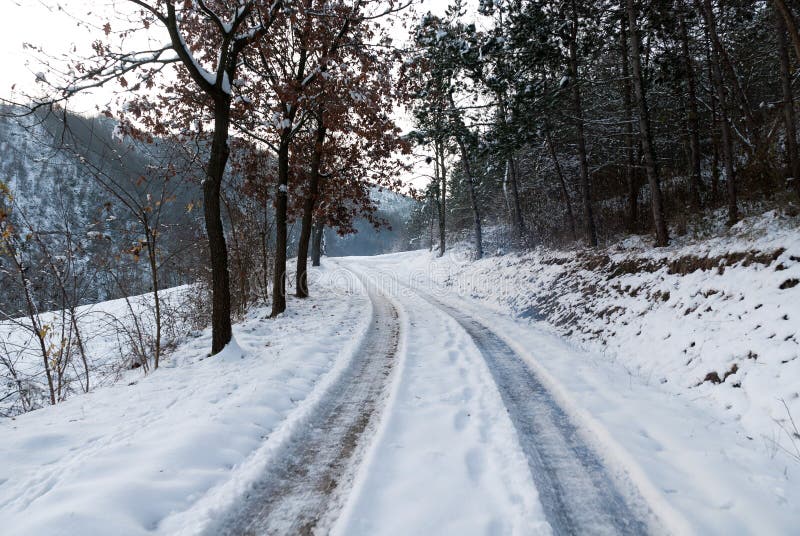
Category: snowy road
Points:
column 387, row 404
column 302, row 490
column 473, row 427
column 575, row 490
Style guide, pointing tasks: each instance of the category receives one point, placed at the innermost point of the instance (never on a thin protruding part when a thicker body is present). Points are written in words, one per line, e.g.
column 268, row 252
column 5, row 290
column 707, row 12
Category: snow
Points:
column 636, row 305
column 118, row 134
column 708, row 458
column 446, row 459
column 170, row 452
column 105, row 330
column 166, row 452
column 209, row 77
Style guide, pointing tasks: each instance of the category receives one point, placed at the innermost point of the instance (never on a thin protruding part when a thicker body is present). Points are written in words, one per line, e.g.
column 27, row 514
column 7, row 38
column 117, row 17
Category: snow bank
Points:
column 165, row 452
column 715, row 320
column 108, row 332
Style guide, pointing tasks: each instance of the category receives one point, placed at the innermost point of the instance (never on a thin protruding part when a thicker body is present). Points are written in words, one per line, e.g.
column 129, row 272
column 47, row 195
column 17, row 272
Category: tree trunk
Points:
column 282, row 197
column 588, row 216
column 151, row 255
column 563, row 183
column 430, row 221
column 519, row 220
column 737, row 93
column 309, row 204
column 725, row 128
column 662, row 236
column 36, row 325
column 221, row 333
column 695, row 184
column 316, row 244
column 441, row 175
column 631, row 179
column 715, row 153
column 788, row 102
column 790, row 24
column 281, row 209
column 265, row 254
column 473, row 198
column 465, row 161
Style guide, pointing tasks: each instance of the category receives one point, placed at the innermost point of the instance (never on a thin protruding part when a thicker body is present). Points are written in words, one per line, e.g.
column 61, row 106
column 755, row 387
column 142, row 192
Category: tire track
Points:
column 304, row 488
column 575, row 490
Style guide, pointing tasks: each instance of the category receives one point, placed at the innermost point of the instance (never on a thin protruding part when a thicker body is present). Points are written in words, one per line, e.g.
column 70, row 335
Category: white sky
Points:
column 45, row 24
column 53, row 26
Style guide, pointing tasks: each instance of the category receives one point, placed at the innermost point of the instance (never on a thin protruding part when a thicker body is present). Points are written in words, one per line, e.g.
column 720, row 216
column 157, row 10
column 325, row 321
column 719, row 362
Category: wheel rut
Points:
column 303, row 490
column 575, row 489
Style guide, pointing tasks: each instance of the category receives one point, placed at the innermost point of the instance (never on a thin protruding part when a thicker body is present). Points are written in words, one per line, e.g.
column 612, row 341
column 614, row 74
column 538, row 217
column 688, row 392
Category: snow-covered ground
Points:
column 446, row 459
column 607, row 333
column 108, row 333
column 625, row 339
column 697, row 469
column 714, row 321
column 169, row 451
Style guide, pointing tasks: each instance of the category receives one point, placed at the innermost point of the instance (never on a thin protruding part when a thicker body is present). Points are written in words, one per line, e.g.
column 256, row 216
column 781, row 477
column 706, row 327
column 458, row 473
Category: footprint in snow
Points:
column 460, row 420
column 476, row 464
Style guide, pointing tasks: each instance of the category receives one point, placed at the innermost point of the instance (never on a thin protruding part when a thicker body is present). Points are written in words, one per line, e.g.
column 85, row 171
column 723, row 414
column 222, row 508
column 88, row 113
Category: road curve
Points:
column 304, row 486
column 576, row 492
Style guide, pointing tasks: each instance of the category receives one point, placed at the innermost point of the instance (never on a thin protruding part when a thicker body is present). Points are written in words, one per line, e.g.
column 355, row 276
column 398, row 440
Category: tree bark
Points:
column 281, row 218
column 441, row 176
column 791, row 25
column 221, row 333
column 316, row 244
column 473, row 198
column 631, row 179
column 737, row 95
column 588, row 216
column 788, row 102
column 563, row 183
column 36, row 325
column 724, row 122
column 645, row 133
column 695, row 183
column 465, row 162
column 309, row 204
column 519, row 220
column 152, row 257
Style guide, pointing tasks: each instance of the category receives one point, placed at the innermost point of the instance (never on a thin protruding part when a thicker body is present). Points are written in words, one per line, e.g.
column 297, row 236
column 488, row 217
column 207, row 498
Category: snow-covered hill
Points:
column 73, row 188
column 49, row 184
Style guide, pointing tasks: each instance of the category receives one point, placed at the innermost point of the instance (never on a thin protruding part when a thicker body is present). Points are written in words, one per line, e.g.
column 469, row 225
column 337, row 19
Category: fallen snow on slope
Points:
column 169, row 451
column 709, row 457
column 715, row 321
column 108, row 332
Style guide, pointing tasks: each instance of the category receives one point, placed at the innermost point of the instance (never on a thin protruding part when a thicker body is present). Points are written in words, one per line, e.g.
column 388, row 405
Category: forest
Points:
column 260, row 124
column 584, row 121
column 399, row 267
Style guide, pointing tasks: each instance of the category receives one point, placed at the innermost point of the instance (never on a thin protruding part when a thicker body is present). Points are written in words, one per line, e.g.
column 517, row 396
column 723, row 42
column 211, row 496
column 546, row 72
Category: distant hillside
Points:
column 52, row 174
column 395, row 209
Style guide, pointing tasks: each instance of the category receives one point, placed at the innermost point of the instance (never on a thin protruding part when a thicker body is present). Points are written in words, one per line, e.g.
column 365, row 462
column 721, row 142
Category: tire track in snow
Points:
column 575, row 489
column 306, row 485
